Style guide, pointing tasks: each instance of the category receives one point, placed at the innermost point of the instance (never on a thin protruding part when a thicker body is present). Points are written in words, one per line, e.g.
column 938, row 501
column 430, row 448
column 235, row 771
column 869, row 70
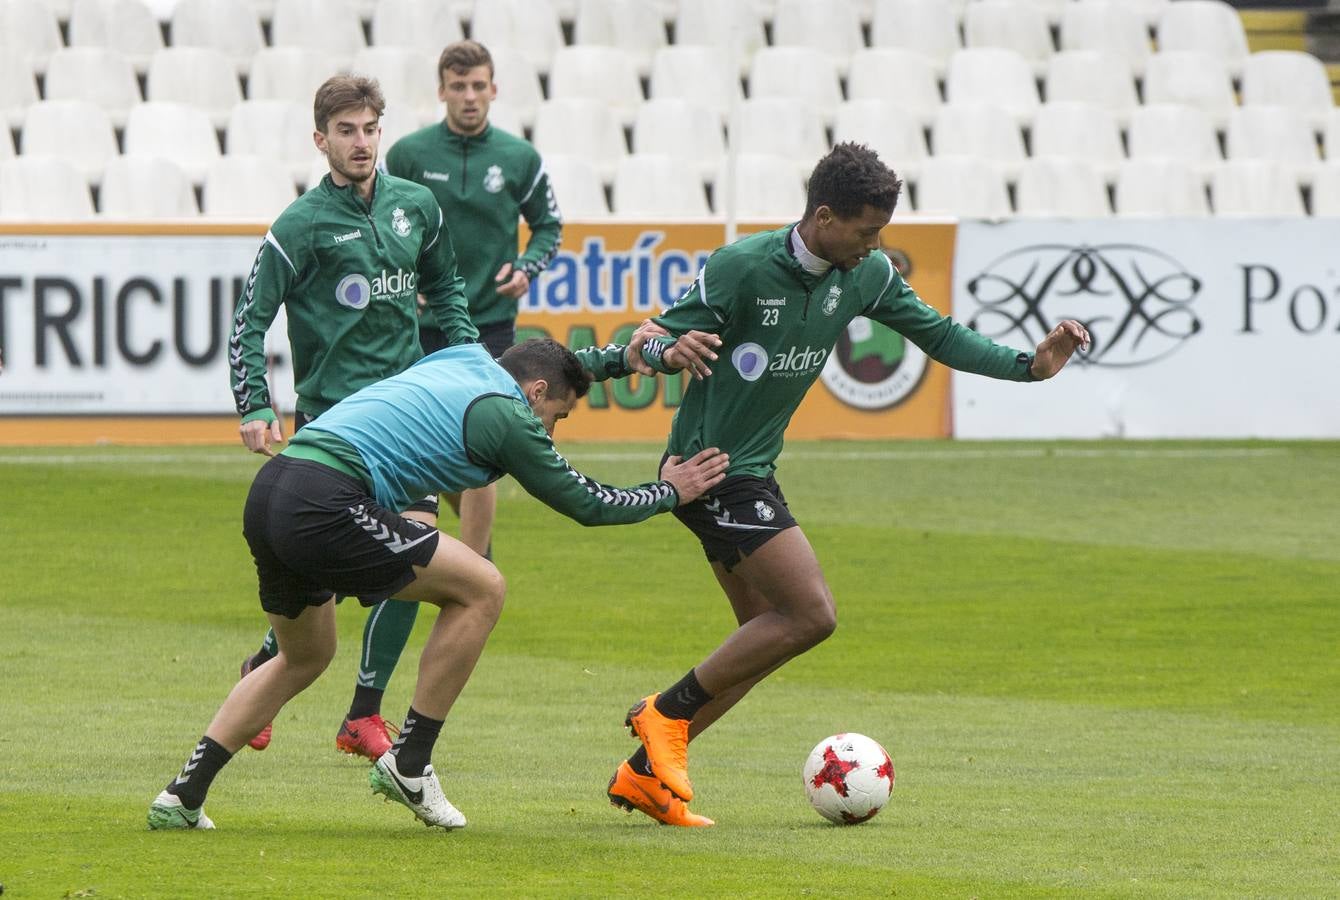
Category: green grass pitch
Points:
column 1102, row 669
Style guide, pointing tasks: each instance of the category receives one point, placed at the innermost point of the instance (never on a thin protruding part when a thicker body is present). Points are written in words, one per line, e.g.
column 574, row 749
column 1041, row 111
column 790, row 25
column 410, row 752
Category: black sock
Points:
column 367, row 702
column 193, row 782
column 639, row 762
column 414, row 748
column 683, row 699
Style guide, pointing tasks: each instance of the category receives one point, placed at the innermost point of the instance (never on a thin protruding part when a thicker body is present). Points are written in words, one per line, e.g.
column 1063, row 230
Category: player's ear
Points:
column 538, row 391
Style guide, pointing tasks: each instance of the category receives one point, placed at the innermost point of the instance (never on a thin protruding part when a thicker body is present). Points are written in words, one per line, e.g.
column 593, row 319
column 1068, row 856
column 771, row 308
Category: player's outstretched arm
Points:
column 696, row 475
column 1057, row 348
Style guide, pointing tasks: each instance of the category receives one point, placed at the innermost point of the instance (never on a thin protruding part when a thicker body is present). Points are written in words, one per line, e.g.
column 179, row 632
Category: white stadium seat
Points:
column 1254, row 187
column 424, row 25
column 655, row 185
column 407, row 77
column 577, row 187
column 777, row 127
column 329, row 26
column 681, row 128
column 733, row 25
column 1278, row 133
column 173, row 131
column 1111, row 26
column 581, row 128
column 288, row 73
column 146, row 187
column 200, row 76
column 1169, row 131
column 1149, row 11
column 963, row 186
column 127, row 26
column 75, row 131
column 18, row 89
column 599, row 73
column 1326, row 191
column 1012, row 24
column 773, row 74
column 886, row 127
column 1191, row 78
column 1208, row 26
column 625, row 24
column 1092, row 76
column 43, row 189
column 1289, row 78
column 1078, row 131
column 6, row 144
column 929, row 27
column 530, row 26
column 246, row 187
column 701, row 73
column 1066, row 188
column 518, row 83
column 224, row 25
column 99, row 75
column 1331, row 136
column 764, row 187
column 832, row 27
column 278, row 129
column 904, row 76
column 993, row 76
column 397, row 121
column 28, row 31
column 1148, row 188
column 980, row 131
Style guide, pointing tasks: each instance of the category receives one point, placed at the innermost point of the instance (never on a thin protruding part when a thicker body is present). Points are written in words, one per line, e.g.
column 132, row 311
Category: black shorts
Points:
column 741, row 514
column 315, row 533
column 496, row 338
column 424, row 504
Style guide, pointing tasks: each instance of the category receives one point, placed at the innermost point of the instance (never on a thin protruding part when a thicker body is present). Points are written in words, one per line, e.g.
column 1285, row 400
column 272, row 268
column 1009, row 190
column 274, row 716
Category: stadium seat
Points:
column 1149, row 188
column 577, row 187
column 1254, row 187
column 127, row 26
column 503, row 116
column 75, row 131
column 624, row 24
column 173, row 131
column 530, row 26
column 930, row 27
column 200, row 76
column 288, row 73
column 264, row 9
column 733, row 25
column 397, row 121
column 904, row 76
column 1278, row 133
column 888, row 128
column 278, row 129
column 1212, row 27
column 30, row 32
column 764, row 187
column 224, row 25
column 963, row 186
column 773, row 74
column 407, row 77
column 1149, row 11
column 423, row 25
column 18, row 89
column 1013, row 25
column 518, row 83
column 1331, row 136
column 6, row 144
column 1061, row 188
column 329, row 26
column 246, row 187
column 43, row 189
column 146, row 187
column 656, row 185
column 1191, row 78
column 99, row 75
column 1326, row 191
column 1111, row 26
column 580, row 128
column 599, row 73
column 1052, row 10
column 681, row 128
column 703, row 74
column 995, row 77
column 977, row 130
column 1092, row 76
column 1289, row 78
column 1078, row 131
column 1168, row 131
column 780, row 128
column 832, row 27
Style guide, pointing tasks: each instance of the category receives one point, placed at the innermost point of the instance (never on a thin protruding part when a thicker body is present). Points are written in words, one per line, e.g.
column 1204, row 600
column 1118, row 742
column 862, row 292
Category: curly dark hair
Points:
column 548, row 359
column 850, row 178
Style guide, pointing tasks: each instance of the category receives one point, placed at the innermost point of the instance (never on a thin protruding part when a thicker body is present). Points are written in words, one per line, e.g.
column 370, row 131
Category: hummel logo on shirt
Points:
column 436, row 176
column 351, row 236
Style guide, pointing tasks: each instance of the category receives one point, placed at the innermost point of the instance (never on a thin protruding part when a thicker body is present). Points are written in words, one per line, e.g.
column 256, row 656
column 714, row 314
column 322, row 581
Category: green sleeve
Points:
column 605, row 362
column 945, row 340
column 272, row 276
column 540, row 210
column 502, row 433
column 704, row 307
column 398, row 162
column 439, row 282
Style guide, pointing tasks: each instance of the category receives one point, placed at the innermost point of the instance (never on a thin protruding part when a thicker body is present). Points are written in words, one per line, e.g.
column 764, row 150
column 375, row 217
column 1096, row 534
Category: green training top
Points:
column 483, row 182
column 777, row 325
column 347, row 273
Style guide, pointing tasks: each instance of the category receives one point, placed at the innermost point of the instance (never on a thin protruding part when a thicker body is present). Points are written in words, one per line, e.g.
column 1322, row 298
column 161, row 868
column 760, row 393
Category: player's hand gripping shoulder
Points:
column 693, row 350
column 694, row 476
column 258, row 434
column 1057, row 348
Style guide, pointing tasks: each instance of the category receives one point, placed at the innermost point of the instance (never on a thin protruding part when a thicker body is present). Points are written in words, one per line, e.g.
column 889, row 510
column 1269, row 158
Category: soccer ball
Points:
column 848, row 778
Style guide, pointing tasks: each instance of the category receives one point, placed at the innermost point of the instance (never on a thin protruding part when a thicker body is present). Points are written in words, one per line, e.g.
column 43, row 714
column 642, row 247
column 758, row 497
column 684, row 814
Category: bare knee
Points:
column 492, row 593
column 816, row 622
column 307, row 664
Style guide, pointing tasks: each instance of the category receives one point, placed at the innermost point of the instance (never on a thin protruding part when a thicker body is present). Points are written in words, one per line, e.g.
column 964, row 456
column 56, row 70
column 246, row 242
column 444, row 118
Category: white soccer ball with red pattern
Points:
column 848, row 778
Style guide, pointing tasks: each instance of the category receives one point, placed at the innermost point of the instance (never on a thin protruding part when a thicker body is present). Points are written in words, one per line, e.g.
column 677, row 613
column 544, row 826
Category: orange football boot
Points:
column 667, row 744
column 630, row 791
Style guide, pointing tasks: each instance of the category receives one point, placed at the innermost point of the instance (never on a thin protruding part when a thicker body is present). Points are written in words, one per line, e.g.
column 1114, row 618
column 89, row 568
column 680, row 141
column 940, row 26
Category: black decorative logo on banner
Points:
column 1136, row 301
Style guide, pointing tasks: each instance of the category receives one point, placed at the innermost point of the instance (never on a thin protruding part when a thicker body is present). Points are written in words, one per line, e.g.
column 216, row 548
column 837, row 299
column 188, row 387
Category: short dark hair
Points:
column 548, row 359
column 341, row 92
column 850, row 178
column 463, row 56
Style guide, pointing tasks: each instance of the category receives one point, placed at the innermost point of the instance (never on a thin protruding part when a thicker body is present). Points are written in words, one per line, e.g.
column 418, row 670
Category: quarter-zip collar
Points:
column 463, row 141
column 349, row 195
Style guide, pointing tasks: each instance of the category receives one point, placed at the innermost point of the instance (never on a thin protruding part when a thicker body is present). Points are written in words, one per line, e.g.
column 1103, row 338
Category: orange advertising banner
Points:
column 608, row 277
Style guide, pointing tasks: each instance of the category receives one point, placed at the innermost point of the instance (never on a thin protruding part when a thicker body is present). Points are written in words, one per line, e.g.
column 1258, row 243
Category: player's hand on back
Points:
column 1057, row 348
column 257, row 435
column 696, row 475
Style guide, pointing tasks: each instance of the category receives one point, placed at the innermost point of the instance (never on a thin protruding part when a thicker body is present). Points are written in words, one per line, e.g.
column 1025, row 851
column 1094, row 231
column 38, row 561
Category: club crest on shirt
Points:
column 831, row 301
column 764, row 511
column 493, row 179
column 399, row 224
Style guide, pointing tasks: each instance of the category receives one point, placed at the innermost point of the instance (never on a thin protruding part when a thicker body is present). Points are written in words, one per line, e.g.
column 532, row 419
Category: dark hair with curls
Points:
column 850, row 178
column 548, row 359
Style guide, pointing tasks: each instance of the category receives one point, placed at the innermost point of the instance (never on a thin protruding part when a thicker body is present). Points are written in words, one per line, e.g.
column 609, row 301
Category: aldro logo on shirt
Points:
column 752, row 360
column 356, row 291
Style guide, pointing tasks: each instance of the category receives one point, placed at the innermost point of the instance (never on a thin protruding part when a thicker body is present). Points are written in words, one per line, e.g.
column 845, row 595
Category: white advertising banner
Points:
column 117, row 324
column 1209, row 328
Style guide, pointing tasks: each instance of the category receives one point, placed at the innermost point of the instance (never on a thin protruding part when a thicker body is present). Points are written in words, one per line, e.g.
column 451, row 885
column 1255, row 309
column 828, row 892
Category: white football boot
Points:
column 423, row 795
column 167, row 811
